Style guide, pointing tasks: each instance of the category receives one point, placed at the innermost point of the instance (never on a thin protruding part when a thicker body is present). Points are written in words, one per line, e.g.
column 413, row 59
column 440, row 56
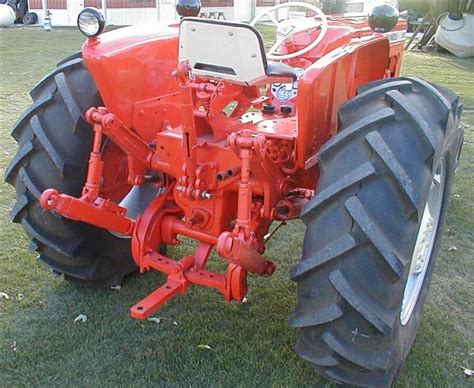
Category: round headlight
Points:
column 90, row 22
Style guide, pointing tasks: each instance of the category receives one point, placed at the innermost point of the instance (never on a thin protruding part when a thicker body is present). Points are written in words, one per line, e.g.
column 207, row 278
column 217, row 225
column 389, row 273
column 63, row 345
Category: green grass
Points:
column 251, row 343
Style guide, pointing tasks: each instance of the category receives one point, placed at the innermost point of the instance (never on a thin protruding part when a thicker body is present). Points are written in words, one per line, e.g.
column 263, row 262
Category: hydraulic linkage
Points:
column 161, row 222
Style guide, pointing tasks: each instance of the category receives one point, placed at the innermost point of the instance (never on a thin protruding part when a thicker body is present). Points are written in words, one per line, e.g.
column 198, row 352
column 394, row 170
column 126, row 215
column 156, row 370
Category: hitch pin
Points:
column 204, row 194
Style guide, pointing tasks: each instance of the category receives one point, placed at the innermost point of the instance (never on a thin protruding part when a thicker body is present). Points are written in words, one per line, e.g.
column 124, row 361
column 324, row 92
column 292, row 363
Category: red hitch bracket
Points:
column 101, row 213
column 90, row 207
column 184, row 273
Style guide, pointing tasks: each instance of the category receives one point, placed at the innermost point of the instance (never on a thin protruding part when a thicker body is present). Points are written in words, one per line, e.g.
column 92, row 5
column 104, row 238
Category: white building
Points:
column 125, row 12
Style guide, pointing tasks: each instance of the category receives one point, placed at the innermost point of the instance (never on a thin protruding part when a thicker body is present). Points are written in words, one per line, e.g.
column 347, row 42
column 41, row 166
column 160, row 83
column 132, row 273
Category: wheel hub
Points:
column 424, row 242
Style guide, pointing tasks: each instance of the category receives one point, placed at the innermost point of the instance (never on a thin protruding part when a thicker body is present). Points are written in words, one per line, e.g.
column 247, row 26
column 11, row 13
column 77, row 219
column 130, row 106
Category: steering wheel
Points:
column 286, row 29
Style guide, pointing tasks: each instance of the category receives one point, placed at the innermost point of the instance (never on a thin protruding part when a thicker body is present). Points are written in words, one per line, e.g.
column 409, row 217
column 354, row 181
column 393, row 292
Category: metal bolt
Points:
column 206, row 195
column 193, row 29
column 231, row 33
column 254, row 55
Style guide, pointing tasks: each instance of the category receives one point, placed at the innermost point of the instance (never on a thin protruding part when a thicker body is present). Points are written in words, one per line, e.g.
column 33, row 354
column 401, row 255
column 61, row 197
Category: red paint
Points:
column 225, row 181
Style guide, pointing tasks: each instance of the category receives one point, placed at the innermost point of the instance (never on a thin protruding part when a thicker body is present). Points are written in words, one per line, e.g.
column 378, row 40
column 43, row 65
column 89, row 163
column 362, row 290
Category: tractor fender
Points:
column 133, row 64
column 330, row 82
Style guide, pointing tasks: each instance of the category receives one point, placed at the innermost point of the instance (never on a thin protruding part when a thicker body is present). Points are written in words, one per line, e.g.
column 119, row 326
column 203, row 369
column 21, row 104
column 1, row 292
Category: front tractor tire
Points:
column 54, row 143
column 374, row 228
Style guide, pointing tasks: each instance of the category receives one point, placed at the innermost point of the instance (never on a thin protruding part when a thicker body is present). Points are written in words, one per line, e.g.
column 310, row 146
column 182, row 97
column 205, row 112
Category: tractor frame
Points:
column 223, row 177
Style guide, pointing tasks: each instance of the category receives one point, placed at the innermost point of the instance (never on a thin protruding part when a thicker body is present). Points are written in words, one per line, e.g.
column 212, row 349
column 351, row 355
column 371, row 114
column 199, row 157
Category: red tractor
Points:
column 193, row 129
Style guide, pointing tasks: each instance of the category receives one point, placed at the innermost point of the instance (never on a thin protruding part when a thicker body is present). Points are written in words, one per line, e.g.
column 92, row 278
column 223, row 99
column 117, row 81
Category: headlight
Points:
column 90, row 22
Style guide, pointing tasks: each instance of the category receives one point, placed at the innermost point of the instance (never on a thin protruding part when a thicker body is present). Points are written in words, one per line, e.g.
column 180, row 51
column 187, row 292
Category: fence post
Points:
column 104, row 10
column 253, row 11
column 44, row 3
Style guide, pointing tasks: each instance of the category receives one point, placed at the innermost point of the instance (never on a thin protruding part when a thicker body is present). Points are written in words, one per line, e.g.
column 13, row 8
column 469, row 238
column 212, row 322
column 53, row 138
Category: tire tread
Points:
column 54, row 144
column 348, row 233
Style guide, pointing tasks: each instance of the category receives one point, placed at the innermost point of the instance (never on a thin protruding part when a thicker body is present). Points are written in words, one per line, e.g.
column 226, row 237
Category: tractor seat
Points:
column 231, row 51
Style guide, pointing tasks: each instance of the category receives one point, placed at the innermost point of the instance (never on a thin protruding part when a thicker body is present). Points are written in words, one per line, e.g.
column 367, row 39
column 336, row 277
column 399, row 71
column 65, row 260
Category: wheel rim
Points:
column 425, row 240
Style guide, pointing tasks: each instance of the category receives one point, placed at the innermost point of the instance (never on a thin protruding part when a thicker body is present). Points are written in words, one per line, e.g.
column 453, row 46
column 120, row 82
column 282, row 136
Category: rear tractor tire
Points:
column 374, row 229
column 30, row 18
column 54, row 143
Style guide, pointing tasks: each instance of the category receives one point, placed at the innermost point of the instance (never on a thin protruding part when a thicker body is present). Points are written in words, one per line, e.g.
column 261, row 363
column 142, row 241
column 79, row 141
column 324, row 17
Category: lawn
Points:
column 250, row 344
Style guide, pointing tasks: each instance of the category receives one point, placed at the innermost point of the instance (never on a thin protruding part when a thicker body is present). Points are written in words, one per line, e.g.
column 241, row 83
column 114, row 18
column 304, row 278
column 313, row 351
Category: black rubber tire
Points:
column 362, row 224
column 54, row 143
column 30, row 18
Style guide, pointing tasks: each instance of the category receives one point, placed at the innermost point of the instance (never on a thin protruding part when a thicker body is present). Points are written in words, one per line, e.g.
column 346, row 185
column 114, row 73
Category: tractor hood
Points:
column 128, row 37
column 133, row 64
